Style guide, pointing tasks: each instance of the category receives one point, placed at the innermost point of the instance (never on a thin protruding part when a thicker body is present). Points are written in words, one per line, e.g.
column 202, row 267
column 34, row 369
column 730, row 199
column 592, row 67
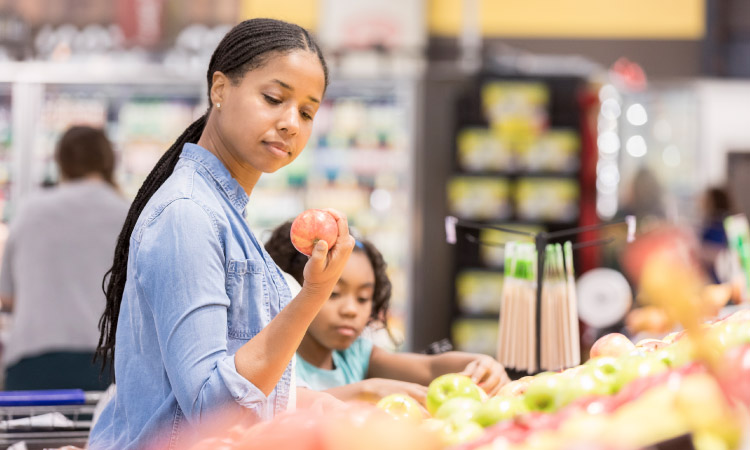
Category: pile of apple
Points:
column 626, row 396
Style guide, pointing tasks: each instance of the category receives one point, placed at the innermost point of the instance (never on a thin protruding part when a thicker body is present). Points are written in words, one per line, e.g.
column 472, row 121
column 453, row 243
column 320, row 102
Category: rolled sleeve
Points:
column 180, row 272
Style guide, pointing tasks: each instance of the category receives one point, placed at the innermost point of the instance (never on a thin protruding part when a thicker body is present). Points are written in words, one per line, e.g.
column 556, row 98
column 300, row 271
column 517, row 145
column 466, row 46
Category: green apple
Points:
column 636, row 366
column 448, row 386
column 460, row 432
column 499, row 408
column 401, row 407
column 590, row 381
column 607, row 364
column 458, row 409
column 544, row 394
column 731, row 334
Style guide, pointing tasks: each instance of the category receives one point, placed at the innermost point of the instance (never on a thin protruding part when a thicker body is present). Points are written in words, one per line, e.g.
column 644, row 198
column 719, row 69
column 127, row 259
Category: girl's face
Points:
column 265, row 120
column 344, row 316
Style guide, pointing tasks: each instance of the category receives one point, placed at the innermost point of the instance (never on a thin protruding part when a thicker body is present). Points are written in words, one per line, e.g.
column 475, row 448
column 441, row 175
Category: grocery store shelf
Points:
column 107, row 73
column 516, row 174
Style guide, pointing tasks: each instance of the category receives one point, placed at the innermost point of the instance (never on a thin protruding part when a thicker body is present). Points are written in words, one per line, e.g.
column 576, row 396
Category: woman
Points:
column 199, row 319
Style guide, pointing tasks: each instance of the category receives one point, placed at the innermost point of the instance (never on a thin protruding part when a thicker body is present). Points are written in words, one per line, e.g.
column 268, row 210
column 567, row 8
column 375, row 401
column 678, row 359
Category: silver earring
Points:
column 218, row 106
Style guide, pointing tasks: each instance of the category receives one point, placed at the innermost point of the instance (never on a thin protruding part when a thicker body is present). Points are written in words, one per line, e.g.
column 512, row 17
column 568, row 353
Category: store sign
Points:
column 367, row 24
column 141, row 21
column 575, row 19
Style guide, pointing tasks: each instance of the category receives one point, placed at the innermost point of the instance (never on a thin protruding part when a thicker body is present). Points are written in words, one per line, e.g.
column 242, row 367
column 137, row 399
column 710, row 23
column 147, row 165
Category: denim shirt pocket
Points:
column 249, row 307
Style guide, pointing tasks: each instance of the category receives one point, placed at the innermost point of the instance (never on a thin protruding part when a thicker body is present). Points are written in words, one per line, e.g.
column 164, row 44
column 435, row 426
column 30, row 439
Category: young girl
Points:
column 334, row 358
column 199, row 319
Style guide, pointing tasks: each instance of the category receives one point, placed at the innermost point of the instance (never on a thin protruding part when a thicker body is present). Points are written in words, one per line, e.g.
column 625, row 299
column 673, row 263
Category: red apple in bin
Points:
column 312, row 226
column 612, row 344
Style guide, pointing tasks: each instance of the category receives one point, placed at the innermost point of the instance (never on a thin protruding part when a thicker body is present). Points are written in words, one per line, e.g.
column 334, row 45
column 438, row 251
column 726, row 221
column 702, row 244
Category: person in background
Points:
column 715, row 206
column 59, row 247
column 334, row 358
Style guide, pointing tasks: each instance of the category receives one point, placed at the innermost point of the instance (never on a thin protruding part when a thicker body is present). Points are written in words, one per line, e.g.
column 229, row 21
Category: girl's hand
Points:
column 324, row 268
column 487, row 373
column 373, row 389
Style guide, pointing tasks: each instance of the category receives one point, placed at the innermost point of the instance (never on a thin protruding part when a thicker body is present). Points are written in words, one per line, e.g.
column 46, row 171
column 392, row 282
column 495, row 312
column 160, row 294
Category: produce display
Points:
column 627, row 396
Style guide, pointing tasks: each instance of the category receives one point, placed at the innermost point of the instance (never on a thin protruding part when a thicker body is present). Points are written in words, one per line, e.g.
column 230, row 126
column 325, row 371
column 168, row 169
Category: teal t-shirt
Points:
column 350, row 366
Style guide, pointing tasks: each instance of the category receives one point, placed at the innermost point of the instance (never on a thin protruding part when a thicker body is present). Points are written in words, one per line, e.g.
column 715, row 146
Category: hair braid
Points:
column 245, row 47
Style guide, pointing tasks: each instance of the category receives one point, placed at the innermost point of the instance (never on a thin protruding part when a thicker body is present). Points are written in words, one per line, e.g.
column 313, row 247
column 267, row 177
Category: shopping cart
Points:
column 46, row 419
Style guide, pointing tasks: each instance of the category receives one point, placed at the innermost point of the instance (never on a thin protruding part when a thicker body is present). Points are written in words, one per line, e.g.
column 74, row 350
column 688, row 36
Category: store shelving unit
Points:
column 142, row 109
column 521, row 123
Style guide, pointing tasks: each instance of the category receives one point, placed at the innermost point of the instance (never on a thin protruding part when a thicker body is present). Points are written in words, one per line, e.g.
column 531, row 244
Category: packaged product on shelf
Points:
column 556, row 150
column 481, row 149
column 479, row 291
column 492, row 252
column 479, row 198
column 547, row 199
column 516, row 109
column 475, row 335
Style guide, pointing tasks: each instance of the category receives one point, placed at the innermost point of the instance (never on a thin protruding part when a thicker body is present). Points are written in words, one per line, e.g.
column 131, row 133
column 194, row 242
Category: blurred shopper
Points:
column 716, row 206
column 59, row 247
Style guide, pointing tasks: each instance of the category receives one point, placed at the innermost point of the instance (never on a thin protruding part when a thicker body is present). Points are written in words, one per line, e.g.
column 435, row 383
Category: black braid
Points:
column 245, row 47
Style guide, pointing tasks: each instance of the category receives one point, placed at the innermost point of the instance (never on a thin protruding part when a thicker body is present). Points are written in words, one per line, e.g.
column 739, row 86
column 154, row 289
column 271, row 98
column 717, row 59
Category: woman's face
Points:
column 265, row 120
column 344, row 316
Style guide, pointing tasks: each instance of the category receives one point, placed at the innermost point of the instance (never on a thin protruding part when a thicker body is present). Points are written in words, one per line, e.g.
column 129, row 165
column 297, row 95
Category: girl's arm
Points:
column 373, row 389
column 422, row 369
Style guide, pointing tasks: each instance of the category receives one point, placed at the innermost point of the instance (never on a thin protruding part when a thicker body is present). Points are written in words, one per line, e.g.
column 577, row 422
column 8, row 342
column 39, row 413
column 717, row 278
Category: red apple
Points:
column 612, row 344
column 312, row 226
column 515, row 388
column 650, row 345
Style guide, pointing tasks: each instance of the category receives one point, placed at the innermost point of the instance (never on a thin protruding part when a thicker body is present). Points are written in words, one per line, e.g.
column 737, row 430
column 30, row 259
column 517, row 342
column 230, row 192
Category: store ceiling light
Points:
column 610, row 109
column 606, row 207
column 380, row 200
column 636, row 114
column 608, row 142
column 636, row 146
column 607, row 92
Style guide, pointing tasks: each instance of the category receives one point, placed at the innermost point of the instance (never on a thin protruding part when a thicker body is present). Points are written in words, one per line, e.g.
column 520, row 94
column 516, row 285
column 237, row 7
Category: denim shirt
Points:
column 199, row 285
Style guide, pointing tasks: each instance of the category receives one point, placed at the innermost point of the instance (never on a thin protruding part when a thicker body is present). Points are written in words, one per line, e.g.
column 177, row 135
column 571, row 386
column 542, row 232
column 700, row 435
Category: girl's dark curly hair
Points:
column 280, row 247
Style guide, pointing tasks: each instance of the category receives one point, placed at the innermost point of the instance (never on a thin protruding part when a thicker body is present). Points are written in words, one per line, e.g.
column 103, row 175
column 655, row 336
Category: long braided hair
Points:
column 247, row 46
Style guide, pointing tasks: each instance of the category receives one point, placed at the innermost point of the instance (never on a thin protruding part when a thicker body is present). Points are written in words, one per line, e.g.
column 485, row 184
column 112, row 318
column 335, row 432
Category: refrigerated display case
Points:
column 358, row 160
column 6, row 154
column 142, row 109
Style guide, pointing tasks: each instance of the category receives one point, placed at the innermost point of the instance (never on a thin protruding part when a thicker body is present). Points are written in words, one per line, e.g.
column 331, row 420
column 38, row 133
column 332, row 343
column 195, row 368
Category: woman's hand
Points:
column 324, row 267
column 373, row 389
column 487, row 373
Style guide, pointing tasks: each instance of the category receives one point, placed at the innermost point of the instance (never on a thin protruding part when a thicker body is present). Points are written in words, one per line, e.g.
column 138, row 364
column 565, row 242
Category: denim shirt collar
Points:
column 218, row 171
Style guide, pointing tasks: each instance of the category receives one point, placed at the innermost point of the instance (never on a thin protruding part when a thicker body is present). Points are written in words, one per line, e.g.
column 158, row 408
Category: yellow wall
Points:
column 607, row 19
column 613, row 19
column 302, row 12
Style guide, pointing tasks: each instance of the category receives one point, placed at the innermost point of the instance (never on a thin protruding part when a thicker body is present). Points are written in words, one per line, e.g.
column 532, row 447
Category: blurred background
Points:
column 537, row 114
